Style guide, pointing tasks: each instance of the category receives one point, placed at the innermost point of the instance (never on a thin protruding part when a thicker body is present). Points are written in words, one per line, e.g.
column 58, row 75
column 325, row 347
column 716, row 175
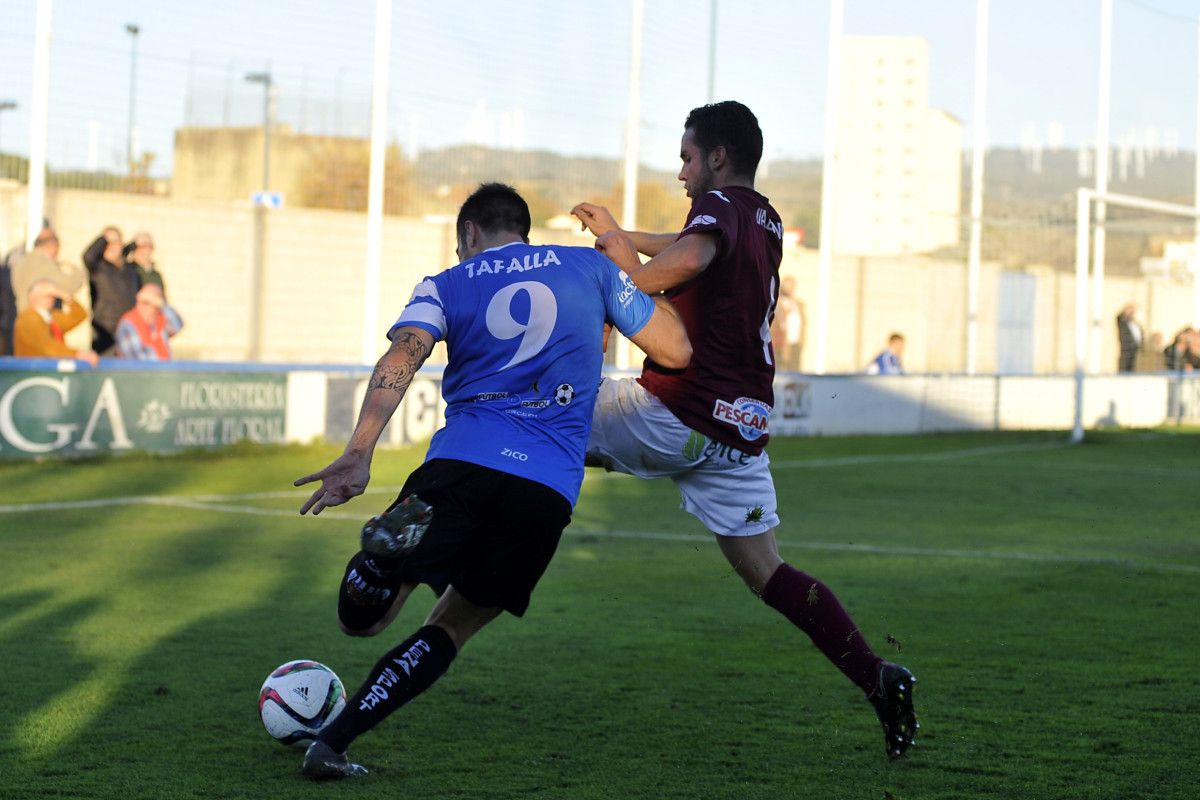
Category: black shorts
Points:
column 491, row 538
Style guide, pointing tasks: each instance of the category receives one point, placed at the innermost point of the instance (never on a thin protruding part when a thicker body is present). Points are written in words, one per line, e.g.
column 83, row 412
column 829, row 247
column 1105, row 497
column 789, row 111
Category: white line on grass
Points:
column 166, row 499
column 948, row 455
column 886, row 550
column 592, row 475
column 216, row 503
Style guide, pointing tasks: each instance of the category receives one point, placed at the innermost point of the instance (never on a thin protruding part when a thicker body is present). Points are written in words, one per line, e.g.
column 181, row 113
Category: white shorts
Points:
column 731, row 492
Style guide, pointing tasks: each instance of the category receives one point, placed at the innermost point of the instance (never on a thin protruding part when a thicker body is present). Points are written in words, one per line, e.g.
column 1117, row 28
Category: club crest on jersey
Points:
column 750, row 416
column 702, row 219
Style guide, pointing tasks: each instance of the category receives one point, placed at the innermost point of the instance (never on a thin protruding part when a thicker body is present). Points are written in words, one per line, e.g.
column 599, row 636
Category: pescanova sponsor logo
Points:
column 749, row 415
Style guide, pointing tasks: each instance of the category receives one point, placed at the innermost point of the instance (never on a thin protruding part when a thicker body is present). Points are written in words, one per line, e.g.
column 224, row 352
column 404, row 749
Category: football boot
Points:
column 893, row 701
column 322, row 763
column 398, row 530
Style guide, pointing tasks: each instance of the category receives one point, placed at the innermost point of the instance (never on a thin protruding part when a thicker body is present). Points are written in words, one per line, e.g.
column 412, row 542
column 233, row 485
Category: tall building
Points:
column 899, row 180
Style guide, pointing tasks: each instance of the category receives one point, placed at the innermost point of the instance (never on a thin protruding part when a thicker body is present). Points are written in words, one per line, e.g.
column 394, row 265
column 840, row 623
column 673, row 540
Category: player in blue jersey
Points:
column 481, row 518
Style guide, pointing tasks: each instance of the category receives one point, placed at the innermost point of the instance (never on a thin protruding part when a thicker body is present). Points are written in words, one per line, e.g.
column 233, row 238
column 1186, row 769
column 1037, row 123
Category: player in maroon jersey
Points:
column 705, row 427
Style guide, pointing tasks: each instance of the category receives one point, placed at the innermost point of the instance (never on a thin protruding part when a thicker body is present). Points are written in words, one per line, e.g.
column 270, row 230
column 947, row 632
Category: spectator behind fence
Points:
column 144, row 331
column 140, row 255
column 114, row 287
column 1130, row 337
column 1183, row 354
column 41, row 263
column 787, row 327
column 889, row 361
column 8, row 306
column 40, row 327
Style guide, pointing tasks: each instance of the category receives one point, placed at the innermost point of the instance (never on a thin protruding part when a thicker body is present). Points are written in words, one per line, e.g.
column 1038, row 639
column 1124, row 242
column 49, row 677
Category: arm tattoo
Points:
column 397, row 377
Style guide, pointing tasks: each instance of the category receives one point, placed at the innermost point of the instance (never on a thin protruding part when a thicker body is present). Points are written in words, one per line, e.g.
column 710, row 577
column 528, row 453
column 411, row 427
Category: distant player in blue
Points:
column 889, row 362
column 480, row 520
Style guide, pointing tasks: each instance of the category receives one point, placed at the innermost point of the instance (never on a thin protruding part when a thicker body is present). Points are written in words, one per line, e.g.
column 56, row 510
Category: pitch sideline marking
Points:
column 104, row 502
column 213, row 503
column 218, row 502
column 888, row 550
column 947, row 455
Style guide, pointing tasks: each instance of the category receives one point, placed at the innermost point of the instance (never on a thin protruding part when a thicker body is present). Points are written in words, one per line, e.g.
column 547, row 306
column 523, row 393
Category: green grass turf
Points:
column 1046, row 597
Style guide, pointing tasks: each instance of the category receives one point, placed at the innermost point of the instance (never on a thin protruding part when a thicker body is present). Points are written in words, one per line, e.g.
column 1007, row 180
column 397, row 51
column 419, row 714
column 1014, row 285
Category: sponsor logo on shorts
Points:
column 748, row 415
column 693, row 448
column 718, row 452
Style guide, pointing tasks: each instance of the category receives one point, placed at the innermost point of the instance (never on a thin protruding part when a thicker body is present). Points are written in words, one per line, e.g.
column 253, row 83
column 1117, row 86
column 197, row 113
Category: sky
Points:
column 545, row 75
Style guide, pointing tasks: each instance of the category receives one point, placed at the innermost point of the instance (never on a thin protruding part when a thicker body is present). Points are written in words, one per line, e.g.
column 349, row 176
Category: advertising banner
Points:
column 88, row 413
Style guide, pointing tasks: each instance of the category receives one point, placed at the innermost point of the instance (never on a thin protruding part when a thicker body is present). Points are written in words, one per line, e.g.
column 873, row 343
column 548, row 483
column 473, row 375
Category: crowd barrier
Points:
column 64, row 408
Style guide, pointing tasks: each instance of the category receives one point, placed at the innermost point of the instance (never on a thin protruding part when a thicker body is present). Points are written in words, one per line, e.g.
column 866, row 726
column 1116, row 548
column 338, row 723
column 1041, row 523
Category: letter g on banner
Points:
column 8, row 425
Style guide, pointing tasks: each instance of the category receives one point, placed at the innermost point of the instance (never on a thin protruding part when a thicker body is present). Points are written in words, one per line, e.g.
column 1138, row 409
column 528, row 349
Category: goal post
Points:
column 1089, row 321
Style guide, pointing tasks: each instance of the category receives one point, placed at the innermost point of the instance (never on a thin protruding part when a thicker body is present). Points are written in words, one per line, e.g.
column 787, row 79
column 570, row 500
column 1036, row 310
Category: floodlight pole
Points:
column 978, row 151
column 833, row 72
column 712, row 50
column 632, row 115
column 1082, row 208
column 268, row 86
column 632, row 133
column 1102, row 146
column 258, row 301
column 38, row 110
column 1196, row 167
column 133, row 31
column 379, row 117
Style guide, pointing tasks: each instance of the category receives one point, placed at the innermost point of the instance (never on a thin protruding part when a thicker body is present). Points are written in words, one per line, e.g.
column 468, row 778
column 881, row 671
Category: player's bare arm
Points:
column 599, row 220
column 664, row 338
column 677, row 264
column 349, row 474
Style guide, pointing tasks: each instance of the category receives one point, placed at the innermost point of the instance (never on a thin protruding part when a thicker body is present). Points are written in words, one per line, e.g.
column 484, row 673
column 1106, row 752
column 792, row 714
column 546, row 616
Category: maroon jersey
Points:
column 726, row 391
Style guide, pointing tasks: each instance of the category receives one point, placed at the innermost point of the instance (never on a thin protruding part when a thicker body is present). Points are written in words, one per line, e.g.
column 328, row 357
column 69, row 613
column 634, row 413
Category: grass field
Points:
column 1045, row 596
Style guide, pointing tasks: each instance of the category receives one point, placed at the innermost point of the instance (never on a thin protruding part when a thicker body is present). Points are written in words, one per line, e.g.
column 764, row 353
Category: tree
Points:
column 338, row 176
column 658, row 209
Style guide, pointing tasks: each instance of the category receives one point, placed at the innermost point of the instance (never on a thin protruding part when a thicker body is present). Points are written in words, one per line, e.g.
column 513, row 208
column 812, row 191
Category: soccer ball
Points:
column 564, row 394
column 298, row 699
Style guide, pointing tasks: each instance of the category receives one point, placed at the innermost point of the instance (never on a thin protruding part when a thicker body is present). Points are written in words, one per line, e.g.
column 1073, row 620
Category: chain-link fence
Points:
column 172, row 119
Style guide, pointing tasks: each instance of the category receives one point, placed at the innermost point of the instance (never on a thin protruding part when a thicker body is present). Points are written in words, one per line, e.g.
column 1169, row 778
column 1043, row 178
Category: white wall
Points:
column 807, row 405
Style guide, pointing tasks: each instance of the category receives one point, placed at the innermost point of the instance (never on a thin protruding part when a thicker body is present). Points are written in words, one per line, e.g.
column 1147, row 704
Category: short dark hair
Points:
column 731, row 125
column 495, row 208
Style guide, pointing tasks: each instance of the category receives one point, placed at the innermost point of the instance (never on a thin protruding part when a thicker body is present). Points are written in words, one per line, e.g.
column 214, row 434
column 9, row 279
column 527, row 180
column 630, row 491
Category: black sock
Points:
column 407, row 670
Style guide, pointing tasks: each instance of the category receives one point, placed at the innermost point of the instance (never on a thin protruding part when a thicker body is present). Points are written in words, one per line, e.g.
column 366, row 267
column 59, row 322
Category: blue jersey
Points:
column 522, row 328
column 886, row 363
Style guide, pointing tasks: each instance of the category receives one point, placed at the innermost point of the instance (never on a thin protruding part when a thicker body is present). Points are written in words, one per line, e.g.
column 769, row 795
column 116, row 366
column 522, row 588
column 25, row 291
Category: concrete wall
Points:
column 52, row 408
column 314, row 271
column 925, row 298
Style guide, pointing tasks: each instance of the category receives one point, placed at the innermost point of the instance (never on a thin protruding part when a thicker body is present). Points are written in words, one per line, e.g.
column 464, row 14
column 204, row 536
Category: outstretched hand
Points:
column 594, row 218
column 345, row 478
column 620, row 250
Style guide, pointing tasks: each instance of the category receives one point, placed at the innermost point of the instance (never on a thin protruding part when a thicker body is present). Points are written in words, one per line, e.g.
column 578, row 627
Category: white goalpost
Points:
column 1089, row 320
